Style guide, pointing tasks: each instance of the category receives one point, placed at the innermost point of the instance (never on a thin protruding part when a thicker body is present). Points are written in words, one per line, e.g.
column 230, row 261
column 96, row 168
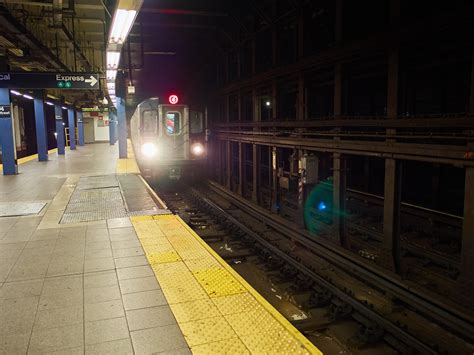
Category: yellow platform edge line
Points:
column 277, row 315
column 31, row 157
column 128, row 165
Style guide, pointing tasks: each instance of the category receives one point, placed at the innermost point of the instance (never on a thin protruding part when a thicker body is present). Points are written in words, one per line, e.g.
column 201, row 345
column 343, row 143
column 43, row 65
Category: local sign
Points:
column 4, row 111
column 49, row 81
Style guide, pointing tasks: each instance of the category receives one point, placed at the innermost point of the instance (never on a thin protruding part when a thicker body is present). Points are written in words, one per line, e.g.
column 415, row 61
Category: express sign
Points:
column 49, row 81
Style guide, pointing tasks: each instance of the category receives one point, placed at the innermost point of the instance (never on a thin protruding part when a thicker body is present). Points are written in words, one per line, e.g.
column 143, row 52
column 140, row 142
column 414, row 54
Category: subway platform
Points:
column 91, row 261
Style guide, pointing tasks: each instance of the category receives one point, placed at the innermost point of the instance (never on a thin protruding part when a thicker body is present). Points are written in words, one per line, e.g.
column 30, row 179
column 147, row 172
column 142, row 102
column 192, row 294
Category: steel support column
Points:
column 338, row 89
column 300, row 113
column 72, row 129
column 7, row 136
column 256, row 173
column 466, row 277
column 40, row 124
column 228, row 165
column 80, row 128
column 338, row 22
column 471, row 98
column 275, row 201
column 390, row 253
column 122, row 128
column 274, row 100
column 58, row 118
column 392, row 85
column 240, row 189
column 339, row 200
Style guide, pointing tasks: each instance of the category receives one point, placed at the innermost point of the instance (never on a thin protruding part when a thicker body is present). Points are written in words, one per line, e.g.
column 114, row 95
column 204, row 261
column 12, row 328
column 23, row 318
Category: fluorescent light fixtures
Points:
column 111, row 74
column 27, row 97
column 121, row 25
column 15, row 92
column 113, row 59
column 49, row 103
column 64, row 108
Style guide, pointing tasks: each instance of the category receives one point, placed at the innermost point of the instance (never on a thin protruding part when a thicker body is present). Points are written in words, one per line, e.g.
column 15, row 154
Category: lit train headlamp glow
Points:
column 149, row 150
column 197, row 149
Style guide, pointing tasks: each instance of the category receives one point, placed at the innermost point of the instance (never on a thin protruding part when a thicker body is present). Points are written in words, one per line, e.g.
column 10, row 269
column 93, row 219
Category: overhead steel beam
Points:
column 184, row 12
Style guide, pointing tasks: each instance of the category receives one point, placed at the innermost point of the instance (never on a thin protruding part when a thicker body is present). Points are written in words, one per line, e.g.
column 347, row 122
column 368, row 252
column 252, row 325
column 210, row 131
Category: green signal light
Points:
column 68, row 84
column 61, row 84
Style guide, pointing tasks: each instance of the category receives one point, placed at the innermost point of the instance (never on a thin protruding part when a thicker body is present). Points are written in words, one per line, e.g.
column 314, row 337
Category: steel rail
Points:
column 391, row 328
column 456, row 319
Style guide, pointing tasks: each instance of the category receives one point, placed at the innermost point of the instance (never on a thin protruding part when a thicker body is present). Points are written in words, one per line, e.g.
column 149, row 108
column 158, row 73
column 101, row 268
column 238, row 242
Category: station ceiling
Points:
column 175, row 42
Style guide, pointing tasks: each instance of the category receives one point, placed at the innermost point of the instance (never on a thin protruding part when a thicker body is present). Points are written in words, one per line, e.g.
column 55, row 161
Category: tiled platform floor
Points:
column 79, row 288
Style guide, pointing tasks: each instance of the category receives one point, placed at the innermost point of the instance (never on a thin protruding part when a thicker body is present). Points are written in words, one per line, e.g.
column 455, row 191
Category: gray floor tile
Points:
column 125, row 244
column 14, row 343
column 182, row 351
column 61, row 300
column 21, row 289
column 48, row 340
column 118, row 222
column 53, row 285
column 104, row 310
column 100, row 279
column 138, row 285
column 98, row 245
column 17, row 315
column 106, row 330
column 143, row 299
column 131, row 261
column 102, row 294
column 59, row 317
column 101, row 264
column 150, row 317
column 121, row 253
column 134, row 272
column 98, row 253
column 159, row 339
column 122, row 347
column 70, row 351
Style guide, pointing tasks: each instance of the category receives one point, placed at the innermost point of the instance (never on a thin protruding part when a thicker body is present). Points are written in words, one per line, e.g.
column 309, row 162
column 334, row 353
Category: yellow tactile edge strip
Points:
column 128, row 165
column 193, row 274
column 31, row 157
column 277, row 315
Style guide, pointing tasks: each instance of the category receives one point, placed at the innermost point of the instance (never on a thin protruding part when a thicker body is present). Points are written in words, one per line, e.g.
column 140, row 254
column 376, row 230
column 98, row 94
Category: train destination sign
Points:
column 49, row 81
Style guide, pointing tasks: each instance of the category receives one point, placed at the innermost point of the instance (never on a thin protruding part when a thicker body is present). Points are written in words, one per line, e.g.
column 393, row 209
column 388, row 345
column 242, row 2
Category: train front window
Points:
column 196, row 122
column 149, row 120
column 173, row 123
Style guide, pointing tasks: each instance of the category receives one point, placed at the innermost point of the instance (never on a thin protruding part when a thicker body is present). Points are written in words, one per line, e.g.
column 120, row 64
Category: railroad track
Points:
column 292, row 256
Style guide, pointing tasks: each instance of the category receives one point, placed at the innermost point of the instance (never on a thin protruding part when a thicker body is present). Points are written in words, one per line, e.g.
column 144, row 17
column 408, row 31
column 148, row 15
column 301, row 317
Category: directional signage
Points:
column 4, row 111
column 49, row 81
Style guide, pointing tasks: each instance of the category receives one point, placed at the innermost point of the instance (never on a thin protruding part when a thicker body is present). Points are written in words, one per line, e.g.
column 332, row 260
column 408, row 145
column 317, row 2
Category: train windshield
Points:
column 173, row 123
column 149, row 120
column 196, row 124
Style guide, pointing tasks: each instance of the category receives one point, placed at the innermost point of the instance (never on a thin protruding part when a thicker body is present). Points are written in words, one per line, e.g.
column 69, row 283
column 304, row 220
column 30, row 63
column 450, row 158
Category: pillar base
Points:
column 465, row 290
column 385, row 260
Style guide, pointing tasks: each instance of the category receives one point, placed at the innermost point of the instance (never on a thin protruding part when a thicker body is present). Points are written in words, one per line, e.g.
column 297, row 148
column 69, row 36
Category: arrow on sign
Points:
column 92, row 80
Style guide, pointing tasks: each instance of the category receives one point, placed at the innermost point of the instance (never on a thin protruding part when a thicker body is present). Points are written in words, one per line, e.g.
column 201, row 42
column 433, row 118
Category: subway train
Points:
column 169, row 139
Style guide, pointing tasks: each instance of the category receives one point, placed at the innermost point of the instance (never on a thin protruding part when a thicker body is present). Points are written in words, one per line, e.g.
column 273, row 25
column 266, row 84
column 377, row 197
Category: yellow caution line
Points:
column 31, row 157
column 277, row 315
column 191, row 274
column 128, row 165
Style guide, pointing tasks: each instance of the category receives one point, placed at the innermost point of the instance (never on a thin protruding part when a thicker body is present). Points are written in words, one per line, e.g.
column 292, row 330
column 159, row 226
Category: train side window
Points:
column 196, row 123
column 149, row 121
column 173, row 122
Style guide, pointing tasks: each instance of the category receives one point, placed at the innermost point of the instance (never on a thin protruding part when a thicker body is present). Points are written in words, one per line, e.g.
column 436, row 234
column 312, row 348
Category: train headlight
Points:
column 149, row 150
column 197, row 149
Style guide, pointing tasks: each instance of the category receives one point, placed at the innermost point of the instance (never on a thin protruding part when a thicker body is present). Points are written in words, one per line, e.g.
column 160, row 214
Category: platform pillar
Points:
column 240, row 189
column 7, row 137
column 80, row 128
column 122, row 128
column 390, row 251
column 228, row 165
column 111, row 128
column 58, row 115
column 72, row 129
column 40, row 123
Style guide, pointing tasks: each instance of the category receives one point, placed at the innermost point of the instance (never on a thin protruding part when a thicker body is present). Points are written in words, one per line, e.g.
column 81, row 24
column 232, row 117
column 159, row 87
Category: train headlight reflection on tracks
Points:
column 149, row 150
column 197, row 149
